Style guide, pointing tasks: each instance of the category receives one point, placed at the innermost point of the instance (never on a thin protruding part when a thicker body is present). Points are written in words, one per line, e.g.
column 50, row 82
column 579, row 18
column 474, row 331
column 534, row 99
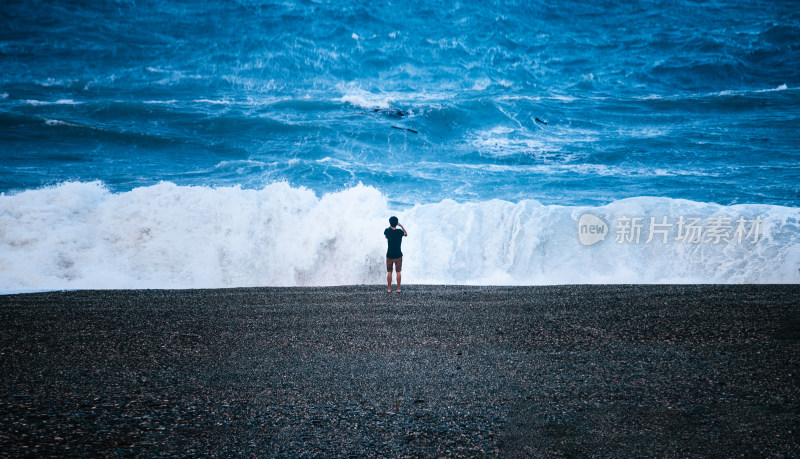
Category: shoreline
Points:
column 588, row 370
column 416, row 287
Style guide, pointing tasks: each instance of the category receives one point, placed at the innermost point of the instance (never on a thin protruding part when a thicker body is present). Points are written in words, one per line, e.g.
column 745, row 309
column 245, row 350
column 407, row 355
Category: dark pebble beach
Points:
column 453, row 371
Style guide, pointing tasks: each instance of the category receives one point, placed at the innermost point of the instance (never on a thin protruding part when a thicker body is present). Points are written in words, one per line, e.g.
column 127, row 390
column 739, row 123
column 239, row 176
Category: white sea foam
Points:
column 50, row 122
column 80, row 235
column 366, row 100
column 481, row 84
column 723, row 93
column 743, row 92
column 563, row 98
column 782, row 87
column 51, row 82
column 214, row 102
column 161, row 102
column 57, row 102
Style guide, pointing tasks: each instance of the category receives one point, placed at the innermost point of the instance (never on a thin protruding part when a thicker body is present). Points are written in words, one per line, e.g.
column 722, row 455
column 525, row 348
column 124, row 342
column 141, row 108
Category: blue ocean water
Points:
column 229, row 143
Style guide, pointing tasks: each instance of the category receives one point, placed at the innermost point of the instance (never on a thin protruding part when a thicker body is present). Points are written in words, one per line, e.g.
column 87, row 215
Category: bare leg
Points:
column 389, row 281
column 398, row 282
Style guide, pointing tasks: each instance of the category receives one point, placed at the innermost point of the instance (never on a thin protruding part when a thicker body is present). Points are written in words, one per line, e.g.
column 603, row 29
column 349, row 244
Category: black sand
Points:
column 624, row 371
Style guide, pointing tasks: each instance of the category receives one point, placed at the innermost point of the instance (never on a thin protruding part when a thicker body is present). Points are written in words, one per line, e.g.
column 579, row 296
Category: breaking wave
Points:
column 80, row 235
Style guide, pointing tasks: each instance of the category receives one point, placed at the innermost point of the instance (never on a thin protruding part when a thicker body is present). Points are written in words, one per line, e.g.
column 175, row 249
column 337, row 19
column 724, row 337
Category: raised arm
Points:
column 405, row 233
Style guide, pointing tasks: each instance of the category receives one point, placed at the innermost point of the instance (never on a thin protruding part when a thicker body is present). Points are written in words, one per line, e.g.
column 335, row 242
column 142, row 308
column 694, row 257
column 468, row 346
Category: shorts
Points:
column 396, row 262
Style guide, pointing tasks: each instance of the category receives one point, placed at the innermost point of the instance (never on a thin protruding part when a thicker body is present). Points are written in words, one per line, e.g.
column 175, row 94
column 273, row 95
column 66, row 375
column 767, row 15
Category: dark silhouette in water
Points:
column 391, row 112
column 396, row 113
column 407, row 129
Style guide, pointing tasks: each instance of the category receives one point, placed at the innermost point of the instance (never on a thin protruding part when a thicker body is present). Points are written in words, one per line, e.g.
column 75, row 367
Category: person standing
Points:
column 394, row 256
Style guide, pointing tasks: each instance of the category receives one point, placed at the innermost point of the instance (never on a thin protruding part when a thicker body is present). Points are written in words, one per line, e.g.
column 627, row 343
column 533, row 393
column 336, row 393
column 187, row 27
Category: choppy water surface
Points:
column 179, row 144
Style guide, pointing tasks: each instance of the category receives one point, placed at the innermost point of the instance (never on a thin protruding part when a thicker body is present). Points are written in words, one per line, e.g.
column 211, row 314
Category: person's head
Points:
column 392, row 221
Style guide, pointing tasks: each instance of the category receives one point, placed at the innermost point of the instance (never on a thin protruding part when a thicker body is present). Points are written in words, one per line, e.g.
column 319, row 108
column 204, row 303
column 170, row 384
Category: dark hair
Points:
column 393, row 221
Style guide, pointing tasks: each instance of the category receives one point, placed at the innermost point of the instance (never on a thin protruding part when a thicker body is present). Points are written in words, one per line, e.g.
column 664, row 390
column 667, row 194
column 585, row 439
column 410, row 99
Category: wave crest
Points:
column 80, row 235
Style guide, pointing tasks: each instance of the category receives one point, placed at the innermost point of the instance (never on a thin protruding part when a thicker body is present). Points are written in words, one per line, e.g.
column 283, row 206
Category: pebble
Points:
column 438, row 371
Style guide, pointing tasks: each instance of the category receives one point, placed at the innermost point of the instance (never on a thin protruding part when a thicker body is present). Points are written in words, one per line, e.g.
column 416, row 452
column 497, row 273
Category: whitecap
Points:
column 782, row 87
column 366, row 100
column 57, row 102
column 160, row 102
column 213, row 102
column 50, row 122
column 481, row 84
column 80, row 235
